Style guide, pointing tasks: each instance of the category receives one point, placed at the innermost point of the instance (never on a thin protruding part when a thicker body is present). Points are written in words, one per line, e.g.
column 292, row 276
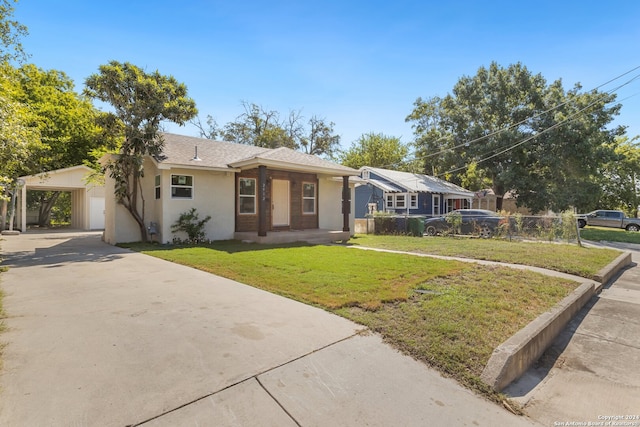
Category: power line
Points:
column 571, row 117
column 466, row 143
column 556, row 125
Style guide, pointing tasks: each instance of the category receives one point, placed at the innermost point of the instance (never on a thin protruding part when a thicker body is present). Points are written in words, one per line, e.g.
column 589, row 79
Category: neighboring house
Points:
column 486, row 199
column 251, row 193
column 407, row 193
column 87, row 199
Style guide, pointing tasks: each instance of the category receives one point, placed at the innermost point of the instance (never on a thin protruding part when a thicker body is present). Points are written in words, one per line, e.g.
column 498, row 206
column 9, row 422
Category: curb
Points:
column 603, row 276
column 513, row 357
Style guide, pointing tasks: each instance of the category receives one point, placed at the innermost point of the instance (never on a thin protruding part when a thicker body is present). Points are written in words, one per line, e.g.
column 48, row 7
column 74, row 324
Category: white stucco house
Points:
column 251, row 193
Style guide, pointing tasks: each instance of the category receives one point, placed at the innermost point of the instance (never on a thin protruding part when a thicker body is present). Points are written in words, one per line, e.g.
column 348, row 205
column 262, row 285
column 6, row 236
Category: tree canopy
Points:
column 508, row 127
column 60, row 126
column 376, row 150
column 11, row 31
column 19, row 130
column 265, row 128
column 621, row 177
column 141, row 102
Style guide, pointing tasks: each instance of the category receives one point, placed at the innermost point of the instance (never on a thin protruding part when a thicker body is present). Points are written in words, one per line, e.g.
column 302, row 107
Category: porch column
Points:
column 262, row 200
column 346, row 203
column 22, row 208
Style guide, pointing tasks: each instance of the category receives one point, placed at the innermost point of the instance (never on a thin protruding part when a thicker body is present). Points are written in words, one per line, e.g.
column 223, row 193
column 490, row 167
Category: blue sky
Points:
column 359, row 64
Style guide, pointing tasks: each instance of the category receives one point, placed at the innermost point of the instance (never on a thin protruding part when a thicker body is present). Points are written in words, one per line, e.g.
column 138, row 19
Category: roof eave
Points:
column 168, row 166
column 255, row 162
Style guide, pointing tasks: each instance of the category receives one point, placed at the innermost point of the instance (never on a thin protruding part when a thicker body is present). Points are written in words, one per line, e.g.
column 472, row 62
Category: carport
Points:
column 87, row 199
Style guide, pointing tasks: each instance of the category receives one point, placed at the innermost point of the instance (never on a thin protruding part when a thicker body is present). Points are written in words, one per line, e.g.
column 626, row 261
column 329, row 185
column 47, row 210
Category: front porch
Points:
column 290, row 236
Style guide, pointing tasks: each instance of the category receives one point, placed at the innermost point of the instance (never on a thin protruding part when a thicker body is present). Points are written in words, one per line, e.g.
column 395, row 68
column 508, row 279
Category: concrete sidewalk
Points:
column 591, row 371
column 102, row 336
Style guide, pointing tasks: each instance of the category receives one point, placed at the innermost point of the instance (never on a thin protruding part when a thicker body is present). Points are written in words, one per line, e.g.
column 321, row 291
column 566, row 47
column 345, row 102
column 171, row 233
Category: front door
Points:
column 280, row 203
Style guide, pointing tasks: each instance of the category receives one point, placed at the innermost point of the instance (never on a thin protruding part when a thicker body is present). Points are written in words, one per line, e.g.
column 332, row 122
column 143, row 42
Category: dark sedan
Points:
column 472, row 221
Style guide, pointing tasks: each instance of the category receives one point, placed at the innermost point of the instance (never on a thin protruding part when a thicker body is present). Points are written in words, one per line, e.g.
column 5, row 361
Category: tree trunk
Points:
column 46, row 204
column 3, row 215
column 132, row 207
column 498, row 203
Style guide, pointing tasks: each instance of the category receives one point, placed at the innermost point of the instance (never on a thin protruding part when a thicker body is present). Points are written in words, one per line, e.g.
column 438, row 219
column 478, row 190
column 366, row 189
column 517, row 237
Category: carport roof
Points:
column 71, row 178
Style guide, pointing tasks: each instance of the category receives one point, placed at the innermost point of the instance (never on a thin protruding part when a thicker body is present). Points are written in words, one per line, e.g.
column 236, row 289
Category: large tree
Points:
column 260, row 127
column 620, row 180
column 520, row 134
column 376, row 150
column 11, row 31
column 141, row 102
column 66, row 122
column 19, row 138
column 17, row 135
column 320, row 138
column 265, row 128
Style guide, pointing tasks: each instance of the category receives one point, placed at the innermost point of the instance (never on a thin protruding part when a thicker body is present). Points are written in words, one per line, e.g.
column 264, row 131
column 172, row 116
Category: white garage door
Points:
column 96, row 213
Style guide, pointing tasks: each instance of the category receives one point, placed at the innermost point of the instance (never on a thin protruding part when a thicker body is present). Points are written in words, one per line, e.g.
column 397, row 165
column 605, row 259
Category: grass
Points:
column 602, row 234
column 448, row 314
column 571, row 259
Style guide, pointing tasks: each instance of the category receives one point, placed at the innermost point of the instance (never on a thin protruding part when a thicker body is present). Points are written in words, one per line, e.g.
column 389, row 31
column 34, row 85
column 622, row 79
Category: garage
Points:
column 87, row 199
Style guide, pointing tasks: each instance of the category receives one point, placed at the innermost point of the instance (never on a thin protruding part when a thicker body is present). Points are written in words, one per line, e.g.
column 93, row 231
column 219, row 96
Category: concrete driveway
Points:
column 98, row 335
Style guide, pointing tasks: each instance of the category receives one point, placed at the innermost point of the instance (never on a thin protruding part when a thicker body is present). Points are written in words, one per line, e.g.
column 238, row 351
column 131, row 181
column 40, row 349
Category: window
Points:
column 157, row 187
column 181, row 187
column 308, row 198
column 365, row 174
column 435, row 204
column 413, row 201
column 247, row 196
column 389, row 201
column 401, row 201
column 450, row 205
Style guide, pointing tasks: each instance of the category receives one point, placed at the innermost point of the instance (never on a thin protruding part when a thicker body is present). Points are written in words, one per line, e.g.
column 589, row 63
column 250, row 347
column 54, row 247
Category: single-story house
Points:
column 87, row 198
column 251, row 193
column 385, row 190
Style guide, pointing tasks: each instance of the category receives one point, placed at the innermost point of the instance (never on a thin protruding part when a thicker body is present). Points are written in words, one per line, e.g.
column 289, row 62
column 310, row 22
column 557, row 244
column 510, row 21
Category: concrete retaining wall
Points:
column 603, row 276
column 513, row 358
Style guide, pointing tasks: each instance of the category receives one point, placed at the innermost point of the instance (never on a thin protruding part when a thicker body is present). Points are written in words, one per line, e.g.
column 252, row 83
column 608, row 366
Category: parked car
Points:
column 481, row 221
column 609, row 218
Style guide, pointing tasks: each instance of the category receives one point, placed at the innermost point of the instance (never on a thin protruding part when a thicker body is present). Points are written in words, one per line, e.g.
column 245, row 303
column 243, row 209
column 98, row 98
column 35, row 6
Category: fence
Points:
column 502, row 226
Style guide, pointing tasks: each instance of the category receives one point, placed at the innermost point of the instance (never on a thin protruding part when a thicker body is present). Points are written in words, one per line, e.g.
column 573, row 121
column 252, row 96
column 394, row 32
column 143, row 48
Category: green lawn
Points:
column 599, row 234
column 572, row 259
column 449, row 314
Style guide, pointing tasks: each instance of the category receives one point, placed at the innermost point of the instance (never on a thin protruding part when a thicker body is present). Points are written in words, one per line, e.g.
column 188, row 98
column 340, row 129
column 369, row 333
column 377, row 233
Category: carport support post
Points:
column 262, row 200
column 346, row 203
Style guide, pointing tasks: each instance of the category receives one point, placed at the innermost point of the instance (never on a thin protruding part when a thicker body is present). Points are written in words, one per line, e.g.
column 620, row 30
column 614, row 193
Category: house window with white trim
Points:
column 435, row 204
column 413, row 201
column 389, row 201
column 181, row 187
column 401, row 201
column 247, row 196
column 157, row 187
column 308, row 198
column 365, row 174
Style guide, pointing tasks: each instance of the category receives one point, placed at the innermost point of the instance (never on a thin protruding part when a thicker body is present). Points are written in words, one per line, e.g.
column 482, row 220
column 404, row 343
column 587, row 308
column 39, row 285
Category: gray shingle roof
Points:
column 180, row 150
column 416, row 182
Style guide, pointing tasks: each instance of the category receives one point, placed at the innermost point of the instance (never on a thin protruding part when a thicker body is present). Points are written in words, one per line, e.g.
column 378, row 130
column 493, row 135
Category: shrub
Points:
column 454, row 219
column 191, row 224
column 384, row 223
